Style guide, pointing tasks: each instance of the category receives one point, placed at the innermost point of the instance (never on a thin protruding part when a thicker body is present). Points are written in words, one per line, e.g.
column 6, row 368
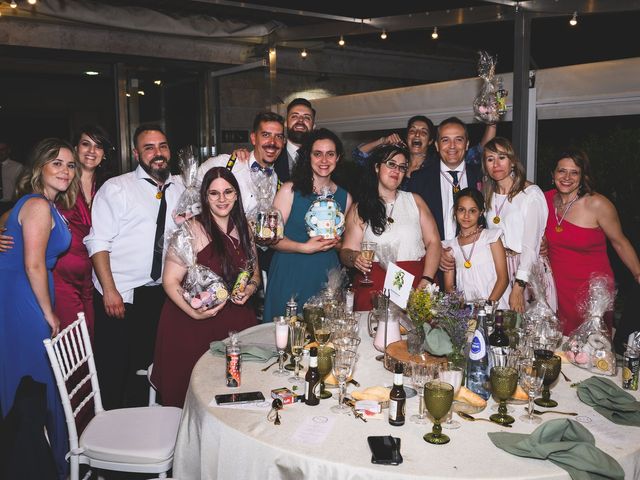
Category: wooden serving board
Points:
column 398, row 352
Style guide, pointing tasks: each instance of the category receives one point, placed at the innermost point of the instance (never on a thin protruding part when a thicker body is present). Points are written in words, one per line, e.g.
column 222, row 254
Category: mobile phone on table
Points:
column 385, row 450
column 244, row 397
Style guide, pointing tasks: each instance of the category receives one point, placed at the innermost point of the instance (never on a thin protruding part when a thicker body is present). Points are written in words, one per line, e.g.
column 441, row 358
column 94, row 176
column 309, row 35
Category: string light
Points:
column 341, row 42
column 434, row 34
column 157, row 82
column 383, row 35
column 574, row 19
column 13, row 4
column 303, row 53
column 32, row 2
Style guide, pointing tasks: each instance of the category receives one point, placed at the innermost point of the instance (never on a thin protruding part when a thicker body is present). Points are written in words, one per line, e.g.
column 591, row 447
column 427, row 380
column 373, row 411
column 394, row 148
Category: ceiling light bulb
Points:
column 141, row 92
column 158, row 82
column 91, row 73
column 32, row 2
column 383, row 35
column 341, row 41
column 434, row 34
column 13, row 4
column 303, row 54
column 574, row 19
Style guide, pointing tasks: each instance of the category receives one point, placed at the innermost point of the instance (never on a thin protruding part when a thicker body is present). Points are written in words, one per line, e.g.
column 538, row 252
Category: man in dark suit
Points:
column 437, row 182
column 301, row 118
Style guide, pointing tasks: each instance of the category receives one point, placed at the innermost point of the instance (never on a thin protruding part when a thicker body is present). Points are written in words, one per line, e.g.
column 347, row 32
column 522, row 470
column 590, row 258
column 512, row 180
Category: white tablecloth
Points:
column 222, row 443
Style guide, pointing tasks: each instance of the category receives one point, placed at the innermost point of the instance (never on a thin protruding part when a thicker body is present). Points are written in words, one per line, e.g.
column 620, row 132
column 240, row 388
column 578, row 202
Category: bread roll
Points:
column 377, row 393
column 520, row 394
column 467, row 396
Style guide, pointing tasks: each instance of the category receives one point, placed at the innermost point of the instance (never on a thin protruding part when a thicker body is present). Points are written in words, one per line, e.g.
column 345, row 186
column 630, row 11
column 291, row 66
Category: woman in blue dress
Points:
column 27, row 316
column 300, row 265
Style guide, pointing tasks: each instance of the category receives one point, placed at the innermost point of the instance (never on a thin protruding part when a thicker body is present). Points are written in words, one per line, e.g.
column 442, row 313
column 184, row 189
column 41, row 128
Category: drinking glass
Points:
column 531, row 377
column 282, row 336
column 453, row 376
column 325, row 362
column 321, row 330
column 368, row 251
column 297, row 331
column 552, row 365
column 504, row 381
column 347, row 342
column 438, row 397
column 343, row 364
column 420, row 373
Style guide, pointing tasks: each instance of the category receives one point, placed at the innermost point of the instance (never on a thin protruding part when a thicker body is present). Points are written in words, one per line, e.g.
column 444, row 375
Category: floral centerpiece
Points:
column 420, row 310
column 452, row 317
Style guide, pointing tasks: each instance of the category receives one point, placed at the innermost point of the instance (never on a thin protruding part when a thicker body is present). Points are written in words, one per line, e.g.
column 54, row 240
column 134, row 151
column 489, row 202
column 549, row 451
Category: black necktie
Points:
column 456, row 183
column 156, row 266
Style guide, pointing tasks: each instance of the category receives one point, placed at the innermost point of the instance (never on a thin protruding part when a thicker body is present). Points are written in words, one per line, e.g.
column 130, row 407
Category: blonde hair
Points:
column 44, row 152
column 518, row 172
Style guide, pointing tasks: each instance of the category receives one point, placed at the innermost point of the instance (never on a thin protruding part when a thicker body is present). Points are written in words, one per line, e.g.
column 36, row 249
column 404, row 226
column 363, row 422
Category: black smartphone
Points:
column 244, row 397
column 385, row 450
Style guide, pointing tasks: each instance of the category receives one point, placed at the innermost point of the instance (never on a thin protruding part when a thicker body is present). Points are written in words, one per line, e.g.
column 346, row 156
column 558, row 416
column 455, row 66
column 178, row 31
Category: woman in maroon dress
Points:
column 223, row 242
column 579, row 224
column 72, row 273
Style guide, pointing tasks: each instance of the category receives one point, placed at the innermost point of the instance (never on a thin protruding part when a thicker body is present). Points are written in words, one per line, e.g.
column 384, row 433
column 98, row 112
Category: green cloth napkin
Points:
column 610, row 401
column 437, row 341
column 564, row 443
column 250, row 353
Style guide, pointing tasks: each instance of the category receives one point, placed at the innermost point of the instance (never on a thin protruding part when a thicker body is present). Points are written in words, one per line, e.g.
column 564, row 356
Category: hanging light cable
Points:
column 574, row 19
column 434, row 34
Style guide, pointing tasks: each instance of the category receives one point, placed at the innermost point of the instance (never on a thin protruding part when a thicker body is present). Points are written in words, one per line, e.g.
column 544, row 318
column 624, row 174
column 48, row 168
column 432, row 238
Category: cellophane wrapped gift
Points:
column 589, row 346
column 324, row 217
column 265, row 220
column 490, row 103
column 201, row 286
column 188, row 205
column 541, row 324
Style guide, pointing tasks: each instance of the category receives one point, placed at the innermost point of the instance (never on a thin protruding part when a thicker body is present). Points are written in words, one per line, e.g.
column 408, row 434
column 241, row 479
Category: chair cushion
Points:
column 132, row 435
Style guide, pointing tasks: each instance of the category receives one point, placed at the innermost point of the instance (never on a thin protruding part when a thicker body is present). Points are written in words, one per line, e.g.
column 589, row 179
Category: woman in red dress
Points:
column 72, row 273
column 579, row 224
column 223, row 243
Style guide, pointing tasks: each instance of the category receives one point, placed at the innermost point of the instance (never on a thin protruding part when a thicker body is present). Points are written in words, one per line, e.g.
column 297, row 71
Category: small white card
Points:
column 398, row 283
column 313, row 430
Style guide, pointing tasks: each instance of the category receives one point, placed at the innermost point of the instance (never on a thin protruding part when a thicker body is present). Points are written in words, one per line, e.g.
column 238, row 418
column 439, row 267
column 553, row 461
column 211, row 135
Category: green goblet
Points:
column 504, row 381
column 438, row 397
column 552, row 364
column 325, row 363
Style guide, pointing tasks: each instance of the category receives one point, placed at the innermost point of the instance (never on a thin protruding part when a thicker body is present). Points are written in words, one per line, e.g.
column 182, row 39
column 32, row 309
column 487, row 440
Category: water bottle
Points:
column 478, row 362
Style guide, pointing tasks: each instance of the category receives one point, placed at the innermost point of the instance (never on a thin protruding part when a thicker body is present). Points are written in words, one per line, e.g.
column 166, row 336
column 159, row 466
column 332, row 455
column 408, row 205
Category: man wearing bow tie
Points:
column 267, row 138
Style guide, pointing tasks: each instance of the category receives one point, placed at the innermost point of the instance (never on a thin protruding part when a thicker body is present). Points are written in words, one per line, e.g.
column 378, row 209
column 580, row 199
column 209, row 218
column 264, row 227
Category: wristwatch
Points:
column 521, row 283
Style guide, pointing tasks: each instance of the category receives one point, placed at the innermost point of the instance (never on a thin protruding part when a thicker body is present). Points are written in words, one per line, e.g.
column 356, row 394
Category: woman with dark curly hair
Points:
column 580, row 223
column 300, row 264
column 390, row 217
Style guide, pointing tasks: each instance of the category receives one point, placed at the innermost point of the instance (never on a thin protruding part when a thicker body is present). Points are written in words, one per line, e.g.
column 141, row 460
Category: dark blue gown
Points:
column 23, row 328
column 299, row 274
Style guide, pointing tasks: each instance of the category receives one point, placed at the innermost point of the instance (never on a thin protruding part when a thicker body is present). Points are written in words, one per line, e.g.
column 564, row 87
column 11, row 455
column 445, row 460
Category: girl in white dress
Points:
column 480, row 259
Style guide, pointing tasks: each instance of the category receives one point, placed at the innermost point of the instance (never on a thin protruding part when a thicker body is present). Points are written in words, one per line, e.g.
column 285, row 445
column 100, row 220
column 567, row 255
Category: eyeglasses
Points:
column 397, row 166
column 228, row 194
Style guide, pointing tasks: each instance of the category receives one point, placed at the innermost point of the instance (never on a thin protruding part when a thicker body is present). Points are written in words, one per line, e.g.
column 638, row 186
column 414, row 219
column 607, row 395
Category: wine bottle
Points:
column 499, row 337
column 478, row 362
column 312, row 379
column 397, row 399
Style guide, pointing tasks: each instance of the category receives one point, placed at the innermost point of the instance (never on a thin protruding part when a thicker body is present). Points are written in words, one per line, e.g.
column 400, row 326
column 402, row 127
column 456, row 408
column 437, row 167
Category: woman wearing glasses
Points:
column 397, row 221
column 223, row 243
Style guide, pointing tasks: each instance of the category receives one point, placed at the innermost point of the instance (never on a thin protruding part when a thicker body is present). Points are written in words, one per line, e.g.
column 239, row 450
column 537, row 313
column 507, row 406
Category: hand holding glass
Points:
column 368, row 251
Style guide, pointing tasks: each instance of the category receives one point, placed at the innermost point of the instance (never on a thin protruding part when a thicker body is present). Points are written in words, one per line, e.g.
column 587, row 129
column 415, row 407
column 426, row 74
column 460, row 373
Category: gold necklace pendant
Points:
column 456, row 189
column 496, row 219
column 390, row 220
column 467, row 264
column 558, row 228
column 159, row 195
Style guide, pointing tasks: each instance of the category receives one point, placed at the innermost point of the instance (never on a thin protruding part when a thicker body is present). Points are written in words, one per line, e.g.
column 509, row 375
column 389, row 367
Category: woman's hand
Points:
column 516, row 298
column 54, row 322
column 242, row 297
column 6, row 241
column 362, row 263
column 204, row 313
column 447, row 262
column 319, row 244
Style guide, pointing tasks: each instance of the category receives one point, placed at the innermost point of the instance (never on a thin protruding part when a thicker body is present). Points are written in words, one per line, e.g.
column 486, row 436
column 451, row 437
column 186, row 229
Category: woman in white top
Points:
column 398, row 222
column 519, row 209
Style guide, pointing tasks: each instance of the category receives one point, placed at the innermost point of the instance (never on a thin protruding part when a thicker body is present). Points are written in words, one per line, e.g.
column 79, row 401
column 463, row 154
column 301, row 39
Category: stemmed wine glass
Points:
column 531, row 377
column 552, row 365
column 343, row 364
column 438, row 397
column 297, row 337
column 325, row 362
column 453, row 376
column 420, row 373
column 504, row 380
column 282, row 336
column 368, row 251
column 321, row 330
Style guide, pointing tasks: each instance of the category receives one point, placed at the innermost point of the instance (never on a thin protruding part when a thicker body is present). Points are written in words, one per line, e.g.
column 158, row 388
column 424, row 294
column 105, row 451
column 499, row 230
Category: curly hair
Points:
column 580, row 158
column 371, row 208
column 302, row 174
column 500, row 145
column 106, row 169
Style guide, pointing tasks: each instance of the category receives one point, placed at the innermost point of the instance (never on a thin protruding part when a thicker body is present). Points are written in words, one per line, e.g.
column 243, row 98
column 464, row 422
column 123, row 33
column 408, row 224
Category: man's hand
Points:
column 544, row 247
column 516, row 298
column 113, row 304
column 447, row 262
column 242, row 155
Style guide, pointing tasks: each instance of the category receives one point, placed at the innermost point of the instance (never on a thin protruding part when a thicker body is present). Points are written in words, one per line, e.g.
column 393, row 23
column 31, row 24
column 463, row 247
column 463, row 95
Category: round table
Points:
column 223, row 443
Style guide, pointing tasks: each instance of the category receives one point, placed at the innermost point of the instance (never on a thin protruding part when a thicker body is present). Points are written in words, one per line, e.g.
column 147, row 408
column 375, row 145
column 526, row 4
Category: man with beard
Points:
column 301, row 118
column 130, row 216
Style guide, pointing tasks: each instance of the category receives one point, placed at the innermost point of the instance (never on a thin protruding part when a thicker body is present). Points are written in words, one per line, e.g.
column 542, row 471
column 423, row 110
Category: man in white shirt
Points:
column 130, row 216
column 301, row 119
column 10, row 170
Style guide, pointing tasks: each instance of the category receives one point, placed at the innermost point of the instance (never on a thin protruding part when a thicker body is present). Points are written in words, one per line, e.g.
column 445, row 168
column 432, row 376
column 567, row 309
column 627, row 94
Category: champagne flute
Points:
column 343, row 364
column 282, row 336
column 368, row 251
column 438, row 397
column 453, row 376
column 531, row 378
column 420, row 373
column 297, row 336
column 552, row 365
